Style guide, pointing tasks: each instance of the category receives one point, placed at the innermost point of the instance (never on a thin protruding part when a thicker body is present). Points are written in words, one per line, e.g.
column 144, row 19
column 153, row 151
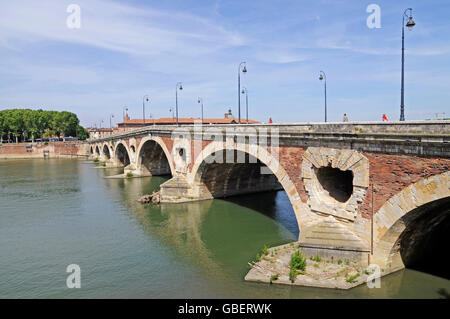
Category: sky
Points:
column 125, row 50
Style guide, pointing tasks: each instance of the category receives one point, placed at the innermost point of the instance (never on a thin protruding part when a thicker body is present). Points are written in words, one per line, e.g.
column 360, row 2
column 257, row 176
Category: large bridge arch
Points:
column 262, row 156
column 154, row 157
column 407, row 220
column 122, row 154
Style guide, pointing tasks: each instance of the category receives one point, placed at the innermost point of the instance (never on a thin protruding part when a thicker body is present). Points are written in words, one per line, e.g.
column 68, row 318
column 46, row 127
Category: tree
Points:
column 2, row 127
column 82, row 133
column 26, row 123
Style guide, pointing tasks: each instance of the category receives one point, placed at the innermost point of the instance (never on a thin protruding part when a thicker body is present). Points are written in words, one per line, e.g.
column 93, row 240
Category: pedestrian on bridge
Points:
column 345, row 118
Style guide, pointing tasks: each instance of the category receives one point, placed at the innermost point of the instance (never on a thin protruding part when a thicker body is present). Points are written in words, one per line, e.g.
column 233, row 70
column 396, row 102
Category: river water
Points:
column 58, row 212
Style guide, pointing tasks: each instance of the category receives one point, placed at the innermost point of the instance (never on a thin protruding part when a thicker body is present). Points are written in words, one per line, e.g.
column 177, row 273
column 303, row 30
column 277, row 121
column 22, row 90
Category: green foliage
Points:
column 82, row 133
column 339, row 261
column 293, row 274
column 352, row 279
column 96, row 160
column 258, row 257
column 129, row 174
column 23, row 124
column 298, row 262
column 316, row 258
column 274, row 277
column 265, row 250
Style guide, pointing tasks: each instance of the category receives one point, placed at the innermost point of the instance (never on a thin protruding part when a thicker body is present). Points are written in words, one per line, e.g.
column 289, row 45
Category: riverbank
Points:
column 67, row 149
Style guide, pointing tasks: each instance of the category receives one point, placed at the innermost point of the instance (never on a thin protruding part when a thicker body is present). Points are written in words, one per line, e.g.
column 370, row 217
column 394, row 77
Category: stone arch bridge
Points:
column 374, row 192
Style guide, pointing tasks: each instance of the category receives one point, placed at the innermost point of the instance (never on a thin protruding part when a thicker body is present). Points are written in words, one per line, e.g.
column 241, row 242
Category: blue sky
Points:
column 127, row 49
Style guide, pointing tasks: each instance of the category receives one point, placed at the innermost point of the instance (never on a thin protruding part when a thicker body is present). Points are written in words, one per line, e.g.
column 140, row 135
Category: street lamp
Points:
column 179, row 86
column 244, row 91
column 110, row 123
column 244, row 70
column 144, row 99
column 200, row 100
column 410, row 24
column 322, row 76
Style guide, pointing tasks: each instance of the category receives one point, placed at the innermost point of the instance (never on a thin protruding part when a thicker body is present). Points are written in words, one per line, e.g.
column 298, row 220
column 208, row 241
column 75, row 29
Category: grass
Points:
column 339, row 261
column 352, row 279
column 96, row 160
column 316, row 258
column 129, row 174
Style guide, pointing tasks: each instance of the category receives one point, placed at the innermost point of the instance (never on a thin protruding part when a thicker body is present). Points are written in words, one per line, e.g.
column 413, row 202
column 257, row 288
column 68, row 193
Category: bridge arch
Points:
column 97, row 150
column 154, row 157
column 122, row 154
column 106, row 152
column 407, row 224
column 92, row 150
column 231, row 173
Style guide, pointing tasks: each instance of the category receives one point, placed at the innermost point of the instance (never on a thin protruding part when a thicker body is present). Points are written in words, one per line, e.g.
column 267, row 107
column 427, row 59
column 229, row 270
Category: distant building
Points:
column 129, row 124
column 95, row 132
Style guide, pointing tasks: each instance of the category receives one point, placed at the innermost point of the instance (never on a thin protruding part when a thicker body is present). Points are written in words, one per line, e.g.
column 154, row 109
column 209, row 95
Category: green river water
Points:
column 58, row 212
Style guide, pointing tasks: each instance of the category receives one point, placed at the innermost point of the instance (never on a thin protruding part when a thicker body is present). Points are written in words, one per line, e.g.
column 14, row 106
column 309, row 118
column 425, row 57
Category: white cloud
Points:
column 113, row 26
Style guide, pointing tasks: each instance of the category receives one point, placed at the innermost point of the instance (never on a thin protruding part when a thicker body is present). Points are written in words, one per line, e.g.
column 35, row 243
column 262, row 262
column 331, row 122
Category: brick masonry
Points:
column 37, row 150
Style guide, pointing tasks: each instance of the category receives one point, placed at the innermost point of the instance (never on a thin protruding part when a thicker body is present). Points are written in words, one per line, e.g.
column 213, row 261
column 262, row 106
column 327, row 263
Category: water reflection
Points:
column 57, row 212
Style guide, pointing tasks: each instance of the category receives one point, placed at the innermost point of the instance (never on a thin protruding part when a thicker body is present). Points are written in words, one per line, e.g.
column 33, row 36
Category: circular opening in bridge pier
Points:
column 338, row 183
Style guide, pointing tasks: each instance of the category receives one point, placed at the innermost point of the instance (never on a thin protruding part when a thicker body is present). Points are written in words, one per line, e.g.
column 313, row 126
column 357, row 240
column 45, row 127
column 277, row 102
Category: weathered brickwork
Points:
column 291, row 160
column 391, row 174
column 37, row 150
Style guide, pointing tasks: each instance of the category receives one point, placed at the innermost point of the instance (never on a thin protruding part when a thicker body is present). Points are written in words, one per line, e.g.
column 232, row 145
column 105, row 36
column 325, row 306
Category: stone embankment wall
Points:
column 41, row 150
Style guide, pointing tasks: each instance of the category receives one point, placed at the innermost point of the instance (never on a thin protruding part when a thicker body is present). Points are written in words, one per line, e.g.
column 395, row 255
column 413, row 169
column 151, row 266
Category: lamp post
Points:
column 200, row 101
column 179, row 86
column 144, row 99
column 244, row 91
column 410, row 24
column 110, row 123
column 322, row 76
column 244, row 70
